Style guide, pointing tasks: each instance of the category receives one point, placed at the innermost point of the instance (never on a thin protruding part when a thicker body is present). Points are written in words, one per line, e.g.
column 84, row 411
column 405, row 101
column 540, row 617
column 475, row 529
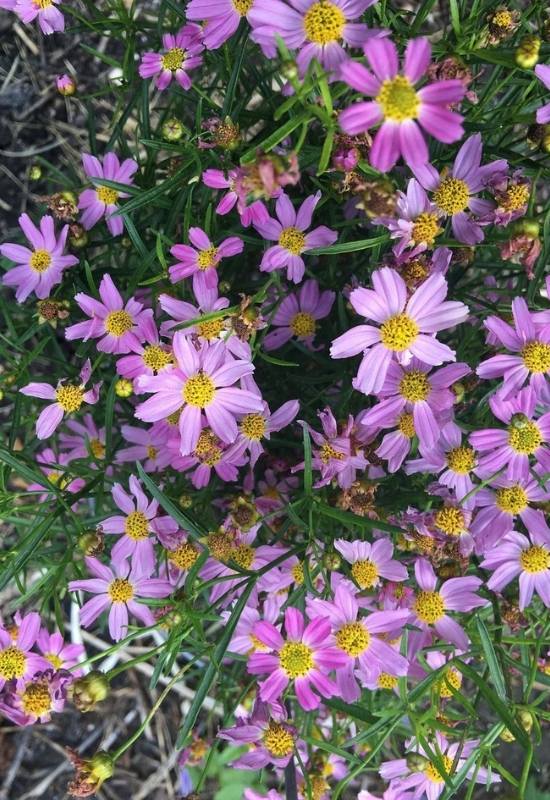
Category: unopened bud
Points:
column 35, row 172
column 289, row 70
column 527, row 54
column 124, row 387
column 78, row 236
column 65, row 85
column 89, row 690
column 332, row 561
column 185, row 501
column 173, row 130
column 416, row 762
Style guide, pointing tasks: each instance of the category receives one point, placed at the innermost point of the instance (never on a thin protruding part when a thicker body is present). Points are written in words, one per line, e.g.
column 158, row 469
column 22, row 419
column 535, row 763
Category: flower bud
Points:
column 65, row 85
column 527, row 54
column 124, row 388
column 527, row 227
column 289, row 70
column 416, row 762
column 332, row 561
column 35, row 172
column 91, row 543
column 185, row 501
column 78, row 236
column 525, row 719
column 173, row 130
column 89, row 690
column 102, row 766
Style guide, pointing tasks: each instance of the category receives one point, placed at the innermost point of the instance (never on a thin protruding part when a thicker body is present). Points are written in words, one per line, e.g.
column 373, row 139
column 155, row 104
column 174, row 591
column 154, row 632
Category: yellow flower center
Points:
column 353, row 639
column 398, row 332
column 120, row 590
column 199, row 390
column 535, row 559
column 117, row 323
column 152, row 452
column 185, row 556
column 452, row 195
column 303, row 324
column 253, row 426
column 324, row 22
column 511, row 499
column 97, row 448
column 405, row 425
column 515, row 197
column 58, row 479
column 450, row 520
column 278, row 740
column 207, row 258
column 414, row 386
column 297, row 573
column 70, row 398
column 536, row 356
column 106, row 195
column 292, row 240
column 451, row 678
column 36, row 699
column 42, row 3
column 243, row 555
column 296, row 659
column 364, row 573
column 54, row 660
column 156, row 358
column 414, row 271
column 12, row 663
column 136, row 526
column 425, row 228
column 327, row 451
column 220, row 545
column 461, row 460
column 524, row 436
column 436, row 777
column 429, row 607
column 242, row 7
column 386, row 681
column 398, row 99
column 207, row 449
column 210, row 329
column 40, row 260
column 502, row 19
column 173, row 59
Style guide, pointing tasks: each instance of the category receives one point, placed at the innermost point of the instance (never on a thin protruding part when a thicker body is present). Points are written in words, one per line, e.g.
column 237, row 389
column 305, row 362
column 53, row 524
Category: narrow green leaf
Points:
column 171, row 508
column 492, row 660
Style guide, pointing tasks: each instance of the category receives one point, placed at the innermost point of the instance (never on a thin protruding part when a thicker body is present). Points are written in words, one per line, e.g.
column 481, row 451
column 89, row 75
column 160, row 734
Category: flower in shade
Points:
column 50, row 18
column 147, row 446
column 406, row 327
column 209, row 454
column 149, row 358
column 37, row 699
column 531, row 343
column 17, row 662
column 65, row 85
column 289, row 231
column 220, row 20
column 415, row 223
column 391, row 793
column 85, row 440
column 102, row 201
column 273, row 739
column 182, row 311
column 202, row 260
column 217, row 179
column 318, row 29
column 298, row 314
column 202, row 382
column 255, row 426
column 54, row 468
column 398, row 105
column 500, row 504
column 542, row 71
column 118, row 325
column 60, row 655
column 305, row 657
column 118, row 588
column 371, row 562
column 453, row 191
column 40, row 268
column 431, row 605
column 181, row 53
column 527, row 557
column 67, row 399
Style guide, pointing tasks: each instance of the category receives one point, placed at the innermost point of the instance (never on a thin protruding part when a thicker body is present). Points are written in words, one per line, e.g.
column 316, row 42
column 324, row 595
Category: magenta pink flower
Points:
column 298, row 315
column 103, row 201
column 220, row 19
column 85, row 440
column 264, row 729
column 149, row 358
column 182, row 311
column 305, row 657
column 398, row 105
column 237, row 195
column 256, row 426
column 415, row 223
column 117, row 325
column 202, row 260
column 542, row 71
column 118, row 588
column 289, row 233
column 500, row 505
column 57, row 653
column 371, row 561
column 55, row 469
column 147, row 446
column 180, row 55
column 407, row 326
column 17, row 662
column 209, row 454
column 50, row 18
column 68, row 398
column 41, row 268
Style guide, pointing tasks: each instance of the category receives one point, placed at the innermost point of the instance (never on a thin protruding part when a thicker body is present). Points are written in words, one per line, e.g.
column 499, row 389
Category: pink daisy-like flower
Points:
column 85, row 440
column 318, row 29
column 50, row 18
column 202, row 260
column 407, row 325
column 528, row 557
column 453, row 192
column 305, row 657
column 118, row 326
column 415, row 223
column 542, row 71
column 288, row 230
column 298, row 315
column 118, row 589
column 67, row 397
column 182, row 311
column 17, row 662
column 500, row 505
column 272, row 738
column 147, row 446
column 149, row 358
column 209, row 454
column 391, row 793
column 102, row 201
column 217, row 179
column 398, row 105
column 256, row 426
column 371, row 562
column 181, row 54
column 60, row 655
column 53, row 468
column 202, row 382
column 41, row 268
column 220, row 19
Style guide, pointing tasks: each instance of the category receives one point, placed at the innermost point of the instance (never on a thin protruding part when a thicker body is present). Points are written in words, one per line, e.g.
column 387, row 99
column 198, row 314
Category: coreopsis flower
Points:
column 274, row 492
column 407, row 325
column 542, row 71
column 511, row 193
column 59, row 654
column 220, row 20
column 305, row 657
column 103, row 201
column 273, row 738
column 85, row 440
column 501, row 503
column 398, row 105
column 318, row 29
column 36, row 700
column 149, row 358
column 255, row 426
column 53, row 467
column 210, row 453
column 119, row 326
column 145, row 445
column 208, row 302
column 180, row 54
column 17, row 661
column 298, row 314
column 371, row 561
column 415, row 222
column 65, row 85
column 118, row 588
column 502, row 22
column 202, row 260
column 289, row 231
column 67, row 399
column 41, row 268
column 201, row 382
column 50, row 18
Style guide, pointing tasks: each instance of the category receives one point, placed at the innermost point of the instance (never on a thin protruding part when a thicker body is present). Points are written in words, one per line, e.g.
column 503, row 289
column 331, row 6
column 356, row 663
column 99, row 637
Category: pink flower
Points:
column 42, row 267
column 298, row 315
column 118, row 326
column 50, row 18
column 220, row 19
column 264, row 731
column 65, row 85
column 305, row 657
column 209, row 454
column 50, row 465
column 59, row 654
column 149, row 358
column 202, row 260
column 118, row 589
column 397, row 104
column 182, row 311
column 85, row 440
column 371, row 561
column 406, row 327
column 34, row 701
column 180, row 55
column 415, row 223
column 202, row 382
column 102, row 201
column 67, row 397
column 500, row 505
column 237, row 195
column 289, row 233
column 17, row 662
column 148, row 446
column 542, row 71
column 255, row 426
